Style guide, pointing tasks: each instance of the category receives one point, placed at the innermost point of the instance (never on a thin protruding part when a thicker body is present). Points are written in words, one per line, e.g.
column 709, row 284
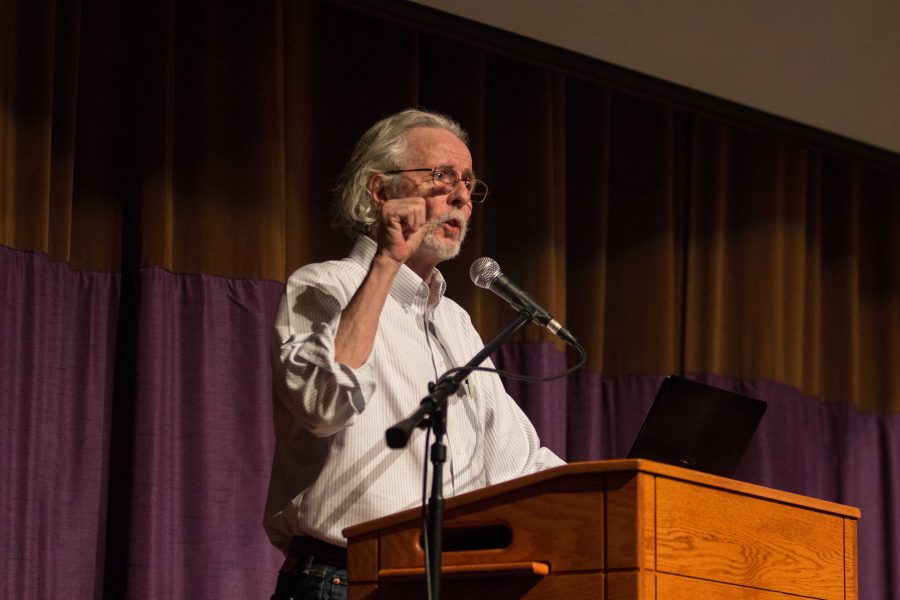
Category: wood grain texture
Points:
column 621, row 530
column 739, row 539
column 673, row 587
column 476, row 571
column 630, row 540
column 566, row 586
column 851, row 556
column 362, row 558
column 566, row 524
column 630, row 585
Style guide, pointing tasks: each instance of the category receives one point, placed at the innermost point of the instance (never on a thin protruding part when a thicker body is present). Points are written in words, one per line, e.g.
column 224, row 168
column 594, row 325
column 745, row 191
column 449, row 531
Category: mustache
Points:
column 446, row 251
column 454, row 215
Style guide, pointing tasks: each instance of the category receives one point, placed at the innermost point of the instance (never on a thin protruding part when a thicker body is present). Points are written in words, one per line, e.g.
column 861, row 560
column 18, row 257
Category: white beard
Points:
column 442, row 248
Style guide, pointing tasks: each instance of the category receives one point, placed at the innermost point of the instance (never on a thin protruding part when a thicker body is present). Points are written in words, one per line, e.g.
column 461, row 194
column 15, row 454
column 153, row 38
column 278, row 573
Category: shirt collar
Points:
column 407, row 285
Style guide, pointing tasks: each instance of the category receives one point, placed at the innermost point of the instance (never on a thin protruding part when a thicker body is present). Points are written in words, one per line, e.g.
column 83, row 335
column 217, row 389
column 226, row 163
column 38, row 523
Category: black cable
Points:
column 519, row 377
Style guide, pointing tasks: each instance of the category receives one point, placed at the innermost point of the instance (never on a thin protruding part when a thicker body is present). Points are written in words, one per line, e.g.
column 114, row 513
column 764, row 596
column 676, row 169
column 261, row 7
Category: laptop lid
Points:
column 698, row 426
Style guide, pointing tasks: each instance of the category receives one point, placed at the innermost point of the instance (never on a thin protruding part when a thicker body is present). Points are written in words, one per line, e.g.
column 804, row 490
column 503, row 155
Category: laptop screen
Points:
column 698, row 426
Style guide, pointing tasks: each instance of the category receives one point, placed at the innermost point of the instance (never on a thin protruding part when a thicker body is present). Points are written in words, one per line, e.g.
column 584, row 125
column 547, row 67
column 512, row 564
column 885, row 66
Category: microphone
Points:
column 486, row 273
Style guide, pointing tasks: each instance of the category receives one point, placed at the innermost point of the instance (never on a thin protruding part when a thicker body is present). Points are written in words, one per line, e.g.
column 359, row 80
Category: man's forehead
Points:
column 438, row 147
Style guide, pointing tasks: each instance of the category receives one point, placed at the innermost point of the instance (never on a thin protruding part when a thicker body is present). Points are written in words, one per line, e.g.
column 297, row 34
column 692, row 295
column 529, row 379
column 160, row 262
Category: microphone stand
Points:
column 432, row 412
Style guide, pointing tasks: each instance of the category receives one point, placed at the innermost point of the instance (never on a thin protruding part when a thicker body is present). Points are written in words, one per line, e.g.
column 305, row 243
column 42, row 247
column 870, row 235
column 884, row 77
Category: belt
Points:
column 304, row 547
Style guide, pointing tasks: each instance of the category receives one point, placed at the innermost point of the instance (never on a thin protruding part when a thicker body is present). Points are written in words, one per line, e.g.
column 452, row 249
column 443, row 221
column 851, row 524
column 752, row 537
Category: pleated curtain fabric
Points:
column 164, row 167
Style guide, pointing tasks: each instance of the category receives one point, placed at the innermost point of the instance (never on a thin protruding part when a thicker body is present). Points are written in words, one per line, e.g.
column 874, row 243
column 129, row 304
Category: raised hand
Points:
column 401, row 227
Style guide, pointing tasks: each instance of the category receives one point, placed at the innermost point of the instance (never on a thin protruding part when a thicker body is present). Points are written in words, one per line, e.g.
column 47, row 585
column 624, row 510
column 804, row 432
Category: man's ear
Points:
column 376, row 191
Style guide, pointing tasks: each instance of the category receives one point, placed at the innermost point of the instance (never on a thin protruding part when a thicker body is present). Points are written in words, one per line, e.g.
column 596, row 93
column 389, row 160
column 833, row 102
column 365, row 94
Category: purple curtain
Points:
column 137, row 436
column 203, row 438
column 57, row 349
column 136, row 454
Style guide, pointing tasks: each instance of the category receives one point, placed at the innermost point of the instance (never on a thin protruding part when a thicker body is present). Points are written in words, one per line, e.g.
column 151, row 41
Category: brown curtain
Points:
column 174, row 160
column 205, row 138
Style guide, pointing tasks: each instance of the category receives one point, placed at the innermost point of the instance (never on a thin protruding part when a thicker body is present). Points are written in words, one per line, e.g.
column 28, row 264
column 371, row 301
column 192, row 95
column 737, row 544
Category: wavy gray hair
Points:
column 382, row 148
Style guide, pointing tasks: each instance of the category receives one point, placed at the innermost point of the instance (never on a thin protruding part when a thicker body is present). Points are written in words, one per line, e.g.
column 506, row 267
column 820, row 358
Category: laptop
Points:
column 698, row 426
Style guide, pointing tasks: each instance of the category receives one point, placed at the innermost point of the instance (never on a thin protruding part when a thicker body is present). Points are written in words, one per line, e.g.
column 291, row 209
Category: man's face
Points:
column 447, row 210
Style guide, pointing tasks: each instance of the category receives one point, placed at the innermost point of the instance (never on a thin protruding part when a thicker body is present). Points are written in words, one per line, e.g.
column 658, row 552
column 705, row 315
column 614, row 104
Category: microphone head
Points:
column 484, row 271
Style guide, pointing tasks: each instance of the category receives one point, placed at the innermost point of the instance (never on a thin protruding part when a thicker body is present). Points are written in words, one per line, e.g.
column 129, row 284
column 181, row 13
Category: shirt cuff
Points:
column 358, row 384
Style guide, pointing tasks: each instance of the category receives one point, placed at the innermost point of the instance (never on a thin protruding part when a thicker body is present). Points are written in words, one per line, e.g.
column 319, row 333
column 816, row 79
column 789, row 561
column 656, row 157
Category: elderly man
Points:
column 356, row 342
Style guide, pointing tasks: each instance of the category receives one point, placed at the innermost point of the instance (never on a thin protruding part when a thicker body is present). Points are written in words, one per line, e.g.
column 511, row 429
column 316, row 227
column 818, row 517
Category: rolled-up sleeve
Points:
column 323, row 395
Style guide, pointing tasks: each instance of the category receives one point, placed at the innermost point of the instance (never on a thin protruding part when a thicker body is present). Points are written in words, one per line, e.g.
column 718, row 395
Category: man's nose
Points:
column 459, row 195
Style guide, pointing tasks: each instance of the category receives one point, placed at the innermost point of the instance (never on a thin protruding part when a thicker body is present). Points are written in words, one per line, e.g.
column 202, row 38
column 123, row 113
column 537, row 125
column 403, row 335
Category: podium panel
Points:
column 617, row 530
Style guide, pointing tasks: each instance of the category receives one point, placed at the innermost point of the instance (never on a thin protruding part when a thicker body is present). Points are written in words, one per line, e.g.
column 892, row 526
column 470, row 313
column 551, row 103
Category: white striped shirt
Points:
column 332, row 467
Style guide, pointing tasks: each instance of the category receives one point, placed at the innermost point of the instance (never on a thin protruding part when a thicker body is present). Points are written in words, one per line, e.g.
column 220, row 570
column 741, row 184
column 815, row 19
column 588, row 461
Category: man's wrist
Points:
column 384, row 261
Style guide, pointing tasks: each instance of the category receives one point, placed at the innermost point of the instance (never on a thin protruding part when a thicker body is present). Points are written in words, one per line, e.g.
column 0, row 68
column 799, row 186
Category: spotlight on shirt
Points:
column 486, row 273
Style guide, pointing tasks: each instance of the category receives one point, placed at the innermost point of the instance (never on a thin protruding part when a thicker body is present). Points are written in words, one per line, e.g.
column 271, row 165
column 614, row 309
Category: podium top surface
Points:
column 609, row 467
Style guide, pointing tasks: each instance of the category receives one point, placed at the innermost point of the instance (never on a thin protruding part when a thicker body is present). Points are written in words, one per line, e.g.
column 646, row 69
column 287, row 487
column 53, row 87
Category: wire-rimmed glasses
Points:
column 446, row 178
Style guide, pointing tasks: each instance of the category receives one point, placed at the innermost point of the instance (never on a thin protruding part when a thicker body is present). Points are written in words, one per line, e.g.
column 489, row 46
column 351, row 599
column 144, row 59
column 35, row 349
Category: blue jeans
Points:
column 311, row 580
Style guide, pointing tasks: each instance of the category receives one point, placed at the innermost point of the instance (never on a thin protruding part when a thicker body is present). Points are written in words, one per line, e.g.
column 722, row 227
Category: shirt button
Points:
column 336, row 580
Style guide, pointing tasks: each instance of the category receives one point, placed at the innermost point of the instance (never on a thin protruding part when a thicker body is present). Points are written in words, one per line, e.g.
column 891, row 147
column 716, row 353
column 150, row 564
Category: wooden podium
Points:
column 617, row 530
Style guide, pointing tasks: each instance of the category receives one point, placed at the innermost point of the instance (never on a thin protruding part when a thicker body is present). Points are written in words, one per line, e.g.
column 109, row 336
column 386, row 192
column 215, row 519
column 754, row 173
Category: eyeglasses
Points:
column 446, row 178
